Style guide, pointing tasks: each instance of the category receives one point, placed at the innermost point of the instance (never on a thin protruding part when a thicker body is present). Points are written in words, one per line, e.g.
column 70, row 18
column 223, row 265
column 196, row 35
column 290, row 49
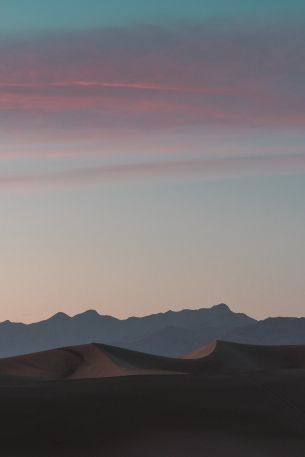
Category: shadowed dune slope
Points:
column 234, row 357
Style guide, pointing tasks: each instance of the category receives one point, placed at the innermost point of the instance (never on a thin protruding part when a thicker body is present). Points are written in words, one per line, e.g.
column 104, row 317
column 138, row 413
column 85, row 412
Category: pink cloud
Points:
column 154, row 77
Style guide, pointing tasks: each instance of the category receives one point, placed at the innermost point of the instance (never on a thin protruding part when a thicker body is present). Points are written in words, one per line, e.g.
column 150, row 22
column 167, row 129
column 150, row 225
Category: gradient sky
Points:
column 152, row 156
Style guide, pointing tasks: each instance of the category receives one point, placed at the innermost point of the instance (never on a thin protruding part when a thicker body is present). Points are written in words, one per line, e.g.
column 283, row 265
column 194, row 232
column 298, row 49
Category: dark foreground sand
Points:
column 96, row 400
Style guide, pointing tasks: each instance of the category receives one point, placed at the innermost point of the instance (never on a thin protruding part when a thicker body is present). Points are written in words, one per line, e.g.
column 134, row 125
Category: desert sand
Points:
column 225, row 399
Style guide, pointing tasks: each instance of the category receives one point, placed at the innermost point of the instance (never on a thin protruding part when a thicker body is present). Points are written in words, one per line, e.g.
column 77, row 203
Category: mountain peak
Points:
column 89, row 314
column 221, row 307
column 59, row 316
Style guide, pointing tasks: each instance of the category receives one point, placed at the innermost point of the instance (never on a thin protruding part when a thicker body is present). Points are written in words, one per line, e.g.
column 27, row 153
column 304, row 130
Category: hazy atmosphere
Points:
column 151, row 157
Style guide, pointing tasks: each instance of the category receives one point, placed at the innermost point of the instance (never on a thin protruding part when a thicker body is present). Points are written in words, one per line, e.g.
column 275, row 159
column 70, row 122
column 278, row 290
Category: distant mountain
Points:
column 171, row 334
column 271, row 331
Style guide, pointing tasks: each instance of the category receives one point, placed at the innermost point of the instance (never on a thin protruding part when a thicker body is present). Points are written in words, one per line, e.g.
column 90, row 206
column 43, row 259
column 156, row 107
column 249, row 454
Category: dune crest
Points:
column 202, row 351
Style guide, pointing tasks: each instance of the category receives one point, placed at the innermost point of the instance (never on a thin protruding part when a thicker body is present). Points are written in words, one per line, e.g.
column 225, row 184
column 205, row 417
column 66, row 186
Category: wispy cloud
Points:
column 204, row 168
column 138, row 86
column 155, row 77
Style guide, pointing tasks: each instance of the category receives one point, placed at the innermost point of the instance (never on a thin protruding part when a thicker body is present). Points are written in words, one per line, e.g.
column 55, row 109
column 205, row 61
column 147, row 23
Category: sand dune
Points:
column 78, row 362
column 223, row 399
column 103, row 361
column 221, row 357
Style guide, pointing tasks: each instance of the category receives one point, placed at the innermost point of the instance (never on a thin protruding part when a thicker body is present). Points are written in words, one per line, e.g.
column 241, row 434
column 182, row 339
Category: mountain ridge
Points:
column 171, row 333
column 222, row 306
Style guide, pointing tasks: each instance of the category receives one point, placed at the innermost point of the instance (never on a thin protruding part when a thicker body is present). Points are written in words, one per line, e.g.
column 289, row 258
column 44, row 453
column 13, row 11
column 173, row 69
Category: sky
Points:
column 152, row 156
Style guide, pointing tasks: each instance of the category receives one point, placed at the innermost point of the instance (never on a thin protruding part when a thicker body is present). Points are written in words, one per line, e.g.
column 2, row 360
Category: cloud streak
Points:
column 138, row 86
column 205, row 168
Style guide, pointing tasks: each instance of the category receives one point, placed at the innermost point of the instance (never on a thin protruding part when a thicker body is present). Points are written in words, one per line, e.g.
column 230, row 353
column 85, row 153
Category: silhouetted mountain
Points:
column 187, row 330
column 274, row 330
column 171, row 333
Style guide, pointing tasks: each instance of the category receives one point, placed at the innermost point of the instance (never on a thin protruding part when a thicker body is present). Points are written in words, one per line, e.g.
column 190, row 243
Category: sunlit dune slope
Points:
column 202, row 351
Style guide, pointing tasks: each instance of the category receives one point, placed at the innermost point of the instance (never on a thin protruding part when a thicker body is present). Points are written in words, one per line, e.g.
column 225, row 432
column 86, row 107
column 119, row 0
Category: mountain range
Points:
column 172, row 333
